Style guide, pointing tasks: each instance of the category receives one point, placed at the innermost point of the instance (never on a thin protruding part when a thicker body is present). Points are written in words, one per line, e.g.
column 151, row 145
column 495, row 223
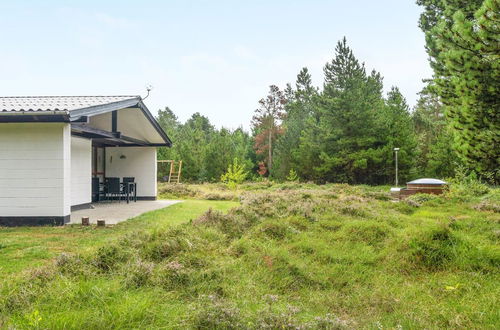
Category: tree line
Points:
column 347, row 129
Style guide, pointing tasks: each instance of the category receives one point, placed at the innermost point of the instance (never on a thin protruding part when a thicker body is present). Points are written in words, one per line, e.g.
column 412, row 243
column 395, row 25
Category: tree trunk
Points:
column 270, row 159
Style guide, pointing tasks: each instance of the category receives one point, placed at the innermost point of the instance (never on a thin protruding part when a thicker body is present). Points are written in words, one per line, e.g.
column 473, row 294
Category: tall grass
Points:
column 289, row 257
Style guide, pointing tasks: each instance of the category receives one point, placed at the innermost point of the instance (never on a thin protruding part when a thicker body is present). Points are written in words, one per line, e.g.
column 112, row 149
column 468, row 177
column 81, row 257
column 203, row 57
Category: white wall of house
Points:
column 139, row 162
column 66, row 145
column 81, row 171
column 35, row 169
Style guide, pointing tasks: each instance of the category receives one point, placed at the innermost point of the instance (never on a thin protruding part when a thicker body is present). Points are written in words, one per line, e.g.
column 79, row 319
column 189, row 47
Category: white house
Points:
column 52, row 146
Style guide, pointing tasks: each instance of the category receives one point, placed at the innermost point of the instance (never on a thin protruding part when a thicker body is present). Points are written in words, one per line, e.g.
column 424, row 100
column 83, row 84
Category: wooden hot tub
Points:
column 423, row 186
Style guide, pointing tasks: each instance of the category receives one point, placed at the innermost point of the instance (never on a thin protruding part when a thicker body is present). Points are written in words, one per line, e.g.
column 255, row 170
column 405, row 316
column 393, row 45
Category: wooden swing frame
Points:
column 172, row 176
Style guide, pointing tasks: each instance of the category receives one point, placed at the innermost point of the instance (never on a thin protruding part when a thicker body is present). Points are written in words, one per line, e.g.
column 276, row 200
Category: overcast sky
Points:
column 213, row 57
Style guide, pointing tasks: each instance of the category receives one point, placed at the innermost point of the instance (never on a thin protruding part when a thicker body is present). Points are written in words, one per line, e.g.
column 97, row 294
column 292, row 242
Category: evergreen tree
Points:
column 307, row 154
column 397, row 126
column 463, row 43
column 350, row 138
column 436, row 157
column 170, row 124
column 206, row 152
column 298, row 109
column 225, row 146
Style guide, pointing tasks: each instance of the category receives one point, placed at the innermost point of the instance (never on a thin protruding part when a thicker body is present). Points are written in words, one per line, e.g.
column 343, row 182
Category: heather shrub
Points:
column 378, row 195
column 291, row 256
column 419, row 199
column 164, row 245
column 439, row 247
column 171, row 275
column 20, row 295
column 355, row 210
column 275, row 229
column 72, row 265
column 405, row 207
column 274, row 316
column 177, row 190
column 214, row 313
column 232, row 224
column 107, row 256
column 487, row 205
column 435, row 248
column 215, row 196
column 138, row 273
column 371, row 232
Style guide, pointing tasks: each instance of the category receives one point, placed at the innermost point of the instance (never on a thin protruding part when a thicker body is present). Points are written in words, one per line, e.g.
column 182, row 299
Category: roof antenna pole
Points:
column 148, row 89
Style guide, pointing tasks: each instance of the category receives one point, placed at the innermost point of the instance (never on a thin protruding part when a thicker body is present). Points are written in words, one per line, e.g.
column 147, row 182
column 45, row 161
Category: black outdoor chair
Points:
column 113, row 189
column 128, row 188
column 96, row 190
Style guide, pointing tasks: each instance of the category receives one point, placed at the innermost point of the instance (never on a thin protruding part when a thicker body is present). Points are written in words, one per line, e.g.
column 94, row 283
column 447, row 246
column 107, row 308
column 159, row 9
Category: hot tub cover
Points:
column 427, row 181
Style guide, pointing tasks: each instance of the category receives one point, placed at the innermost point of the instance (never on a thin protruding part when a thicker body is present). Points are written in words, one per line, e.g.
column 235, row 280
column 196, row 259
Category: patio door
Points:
column 98, row 163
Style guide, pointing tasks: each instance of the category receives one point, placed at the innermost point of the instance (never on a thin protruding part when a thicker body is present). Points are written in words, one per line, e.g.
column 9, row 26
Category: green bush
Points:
column 292, row 176
column 234, row 175
column 465, row 186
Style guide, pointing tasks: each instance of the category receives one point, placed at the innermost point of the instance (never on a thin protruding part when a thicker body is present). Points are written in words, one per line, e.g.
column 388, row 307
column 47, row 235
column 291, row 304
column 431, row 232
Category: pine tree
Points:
column 463, row 43
column 298, row 108
column 170, row 124
column 397, row 125
column 350, row 135
column 206, row 152
column 436, row 157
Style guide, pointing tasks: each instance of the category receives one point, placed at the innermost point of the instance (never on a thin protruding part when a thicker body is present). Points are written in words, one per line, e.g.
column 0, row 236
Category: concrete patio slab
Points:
column 114, row 213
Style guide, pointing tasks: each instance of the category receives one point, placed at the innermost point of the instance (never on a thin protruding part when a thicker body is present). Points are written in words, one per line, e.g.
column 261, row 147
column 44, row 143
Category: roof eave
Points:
column 152, row 120
column 133, row 102
column 103, row 108
column 76, row 115
column 34, row 116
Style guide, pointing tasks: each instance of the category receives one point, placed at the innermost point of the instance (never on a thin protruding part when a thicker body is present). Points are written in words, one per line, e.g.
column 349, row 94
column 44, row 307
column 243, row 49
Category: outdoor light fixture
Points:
column 123, row 157
column 396, row 151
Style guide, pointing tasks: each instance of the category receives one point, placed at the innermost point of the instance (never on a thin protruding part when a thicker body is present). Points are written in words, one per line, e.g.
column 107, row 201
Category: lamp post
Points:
column 396, row 151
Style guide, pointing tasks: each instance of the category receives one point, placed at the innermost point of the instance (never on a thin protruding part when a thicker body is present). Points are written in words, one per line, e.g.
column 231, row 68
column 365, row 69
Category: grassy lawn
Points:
column 290, row 256
column 24, row 247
